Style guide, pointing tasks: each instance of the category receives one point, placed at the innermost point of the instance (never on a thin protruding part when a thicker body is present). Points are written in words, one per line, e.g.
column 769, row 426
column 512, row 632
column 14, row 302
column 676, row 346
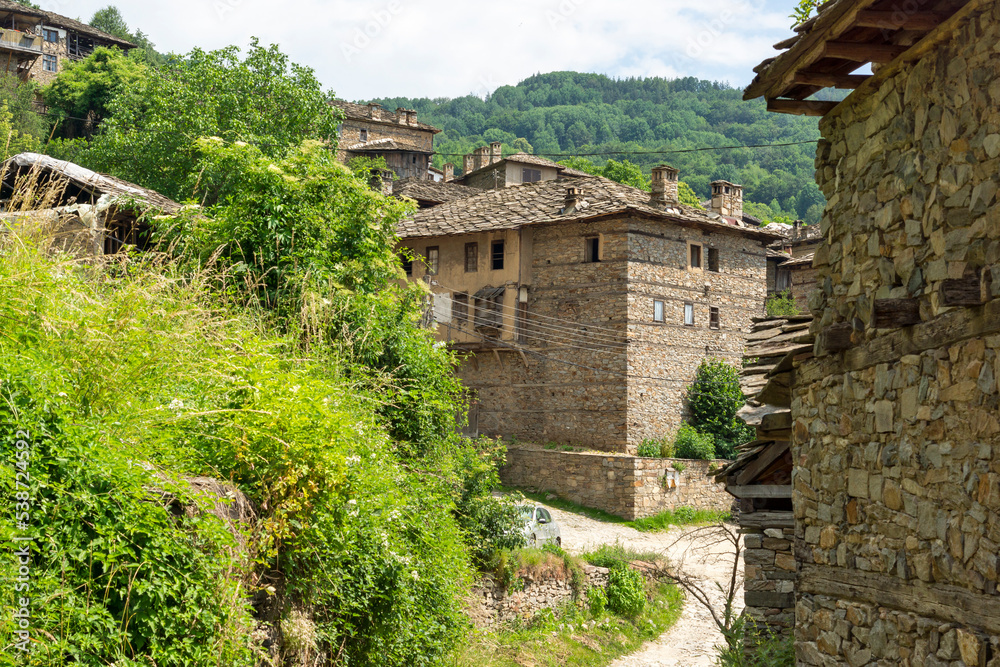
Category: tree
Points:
column 261, row 99
column 111, row 21
column 84, row 89
column 19, row 99
column 713, row 399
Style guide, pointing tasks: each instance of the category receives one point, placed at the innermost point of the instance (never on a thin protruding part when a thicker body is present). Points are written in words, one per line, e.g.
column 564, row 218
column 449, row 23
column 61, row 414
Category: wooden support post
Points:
column 801, row 107
column 837, row 337
column 496, row 353
column 896, row 313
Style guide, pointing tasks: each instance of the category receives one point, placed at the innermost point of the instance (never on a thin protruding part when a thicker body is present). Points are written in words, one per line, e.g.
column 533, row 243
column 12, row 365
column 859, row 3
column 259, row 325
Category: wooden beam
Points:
column 900, row 20
column 864, row 53
column 837, row 337
column 763, row 460
column 847, row 81
column 896, row 313
column 767, row 519
column 801, row 107
column 962, row 291
column 760, row 490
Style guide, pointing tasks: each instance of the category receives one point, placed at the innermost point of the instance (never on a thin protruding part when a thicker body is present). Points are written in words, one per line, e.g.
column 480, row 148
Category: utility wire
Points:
column 478, row 321
column 669, row 152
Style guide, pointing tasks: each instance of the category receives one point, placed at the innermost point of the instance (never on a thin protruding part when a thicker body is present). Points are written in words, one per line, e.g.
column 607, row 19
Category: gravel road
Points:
column 691, row 641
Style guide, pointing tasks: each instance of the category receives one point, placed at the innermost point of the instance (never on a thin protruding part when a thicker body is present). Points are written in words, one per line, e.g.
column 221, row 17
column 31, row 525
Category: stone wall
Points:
column 547, row 589
column 627, row 486
column 897, row 478
column 769, row 576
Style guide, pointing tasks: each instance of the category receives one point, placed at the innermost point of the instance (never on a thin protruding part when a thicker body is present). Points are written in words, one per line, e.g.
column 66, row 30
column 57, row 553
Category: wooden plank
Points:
column 847, row 81
column 768, row 519
column 900, row 20
column 837, row 337
column 896, row 313
column 777, row 420
column 801, row 107
column 760, row 490
column 764, row 459
column 962, row 291
column 940, row 601
column 864, row 53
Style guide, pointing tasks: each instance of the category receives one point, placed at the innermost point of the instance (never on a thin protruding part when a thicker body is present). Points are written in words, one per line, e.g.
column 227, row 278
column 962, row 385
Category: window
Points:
column 433, row 260
column 50, row 35
column 713, row 259
column 407, row 265
column 694, row 256
column 531, row 175
column 658, row 312
column 713, row 318
column 471, row 257
column 50, row 63
column 496, row 255
column 460, row 308
column 592, row 251
column 689, row 314
column 364, row 135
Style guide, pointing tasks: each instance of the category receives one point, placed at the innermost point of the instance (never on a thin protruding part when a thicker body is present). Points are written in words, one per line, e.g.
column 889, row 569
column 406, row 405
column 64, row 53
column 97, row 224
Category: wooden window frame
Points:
column 689, row 307
column 460, row 308
column 497, row 260
column 663, row 311
column 407, row 266
column 363, row 134
column 712, row 260
column 691, row 255
column 433, row 265
column 50, row 58
column 528, row 172
column 593, row 249
column 714, row 318
column 473, row 265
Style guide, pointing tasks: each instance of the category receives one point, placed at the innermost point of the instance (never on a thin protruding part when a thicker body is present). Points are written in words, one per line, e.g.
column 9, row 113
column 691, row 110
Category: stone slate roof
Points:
column 386, row 145
column 360, row 112
column 59, row 21
column 544, row 202
column 538, row 161
column 437, row 192
column 91, row 182
column 799, row 262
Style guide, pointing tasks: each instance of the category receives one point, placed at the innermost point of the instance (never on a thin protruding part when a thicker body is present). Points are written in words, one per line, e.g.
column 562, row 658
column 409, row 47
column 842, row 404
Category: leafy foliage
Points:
column 782, row 305
column 690, row 444
column 626, row 591
column 713, row 399
column 261, row 99
column 570, row 113
column 649, row 448
column 597, row 600
column 19, row 99
column 14, row 138
column 803, row 10
column 110, row 20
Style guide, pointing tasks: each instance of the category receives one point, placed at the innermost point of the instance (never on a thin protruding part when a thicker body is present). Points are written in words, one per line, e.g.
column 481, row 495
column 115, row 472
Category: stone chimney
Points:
column 381, row 180
column 481, row 157
column 411, row 117
column 375, row 111
column 401, row 115
column 727, row 199
column 496, row 152
column 573, row 198
column 449, row 172
column 665, row 179
column 468, row 163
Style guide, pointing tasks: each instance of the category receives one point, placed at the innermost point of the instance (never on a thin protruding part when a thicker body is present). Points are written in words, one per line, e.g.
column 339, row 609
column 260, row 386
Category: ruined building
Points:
column 35, row 44
column 894, row 417
column 584, row 306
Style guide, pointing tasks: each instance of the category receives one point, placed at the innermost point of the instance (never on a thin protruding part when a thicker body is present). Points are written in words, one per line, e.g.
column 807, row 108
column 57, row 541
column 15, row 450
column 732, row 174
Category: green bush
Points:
column 679, row 466
column 690, row 444
column 649, row 449
column 782, row 305
column 597, row 600
column 713, row 399
column 626, row 591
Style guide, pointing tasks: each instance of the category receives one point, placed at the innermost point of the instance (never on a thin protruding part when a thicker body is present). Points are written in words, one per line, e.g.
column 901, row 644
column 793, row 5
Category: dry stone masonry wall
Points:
column 897, row 440
column 492, row 603
column 769, row 577
column 627, row 486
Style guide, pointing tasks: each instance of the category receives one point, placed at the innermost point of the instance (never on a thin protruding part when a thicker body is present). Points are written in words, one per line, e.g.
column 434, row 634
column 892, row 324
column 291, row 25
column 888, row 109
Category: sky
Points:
column 444, row 48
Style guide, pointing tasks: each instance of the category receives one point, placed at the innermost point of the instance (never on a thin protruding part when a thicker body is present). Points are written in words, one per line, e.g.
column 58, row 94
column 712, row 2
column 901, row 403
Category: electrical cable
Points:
column 669, row 152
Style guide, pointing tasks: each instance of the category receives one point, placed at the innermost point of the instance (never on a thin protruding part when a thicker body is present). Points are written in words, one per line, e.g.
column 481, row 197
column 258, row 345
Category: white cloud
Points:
column 446, row 48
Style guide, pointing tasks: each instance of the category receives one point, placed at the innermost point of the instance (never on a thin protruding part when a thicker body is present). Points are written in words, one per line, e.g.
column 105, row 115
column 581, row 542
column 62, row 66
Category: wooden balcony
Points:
column 18, row 42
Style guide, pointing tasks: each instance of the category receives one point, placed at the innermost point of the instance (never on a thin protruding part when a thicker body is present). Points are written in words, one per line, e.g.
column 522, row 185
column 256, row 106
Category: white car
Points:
column 539, row 526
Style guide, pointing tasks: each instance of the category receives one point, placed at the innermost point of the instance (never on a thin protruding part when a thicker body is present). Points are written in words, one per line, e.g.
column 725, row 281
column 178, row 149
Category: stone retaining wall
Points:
column 544, row 590
column 769, row 578
column 627, row 486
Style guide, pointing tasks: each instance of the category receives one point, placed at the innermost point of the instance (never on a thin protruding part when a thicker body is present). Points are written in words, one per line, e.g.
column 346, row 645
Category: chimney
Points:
column 449, row 172
column 381, row 181
column 411, row 117
column 496, row 149
column 401, row 115
column 727, row 199
column 664, row 186
column 480, row 157
column 572, row 201
column 375, row 111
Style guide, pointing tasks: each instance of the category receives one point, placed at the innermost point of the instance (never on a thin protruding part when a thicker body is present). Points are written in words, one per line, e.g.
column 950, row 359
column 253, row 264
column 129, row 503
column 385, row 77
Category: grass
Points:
column 681, row 516
column 570, row 635
column 609, row 555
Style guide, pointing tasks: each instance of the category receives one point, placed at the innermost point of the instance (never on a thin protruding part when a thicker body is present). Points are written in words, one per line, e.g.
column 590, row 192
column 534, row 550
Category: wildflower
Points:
column 176, row 404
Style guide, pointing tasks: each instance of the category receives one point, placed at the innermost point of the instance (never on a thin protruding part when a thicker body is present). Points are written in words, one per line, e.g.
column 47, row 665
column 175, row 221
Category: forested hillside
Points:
column 568, row 113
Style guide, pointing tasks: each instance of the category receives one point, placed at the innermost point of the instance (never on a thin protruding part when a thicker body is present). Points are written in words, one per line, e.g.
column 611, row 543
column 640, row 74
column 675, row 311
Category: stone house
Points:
column 35, row 44
column 895, row 432
column 369, row 130
column 486, row 169
column 584, row 306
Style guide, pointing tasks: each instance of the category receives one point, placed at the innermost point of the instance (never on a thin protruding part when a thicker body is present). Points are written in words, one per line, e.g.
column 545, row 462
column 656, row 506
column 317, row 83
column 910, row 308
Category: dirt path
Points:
column 691, row 642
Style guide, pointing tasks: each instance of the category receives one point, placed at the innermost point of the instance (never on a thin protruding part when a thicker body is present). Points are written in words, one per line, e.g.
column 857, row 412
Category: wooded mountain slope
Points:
column 579, row 114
